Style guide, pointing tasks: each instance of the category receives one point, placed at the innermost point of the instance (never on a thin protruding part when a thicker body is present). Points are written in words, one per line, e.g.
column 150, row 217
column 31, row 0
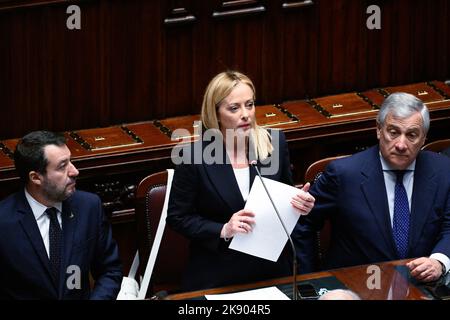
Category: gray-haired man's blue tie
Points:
column 400, row 224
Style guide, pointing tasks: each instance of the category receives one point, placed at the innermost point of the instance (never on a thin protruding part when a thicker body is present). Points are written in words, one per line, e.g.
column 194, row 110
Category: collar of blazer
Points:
column 30, row 227
column 222, row 177
column 374, row 190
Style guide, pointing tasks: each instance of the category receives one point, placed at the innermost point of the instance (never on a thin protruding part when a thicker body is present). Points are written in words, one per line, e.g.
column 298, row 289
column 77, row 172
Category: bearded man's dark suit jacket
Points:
column 352, row 194
column 88, row 244
column 203, row 198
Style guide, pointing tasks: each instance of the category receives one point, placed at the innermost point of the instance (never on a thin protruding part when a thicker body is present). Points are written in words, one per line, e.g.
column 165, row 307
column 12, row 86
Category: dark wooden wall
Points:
column 131, row 62
column 126, row 64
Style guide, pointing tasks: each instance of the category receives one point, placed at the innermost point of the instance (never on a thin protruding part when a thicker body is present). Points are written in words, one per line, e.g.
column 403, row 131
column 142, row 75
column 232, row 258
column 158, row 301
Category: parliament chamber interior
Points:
column 119, row 77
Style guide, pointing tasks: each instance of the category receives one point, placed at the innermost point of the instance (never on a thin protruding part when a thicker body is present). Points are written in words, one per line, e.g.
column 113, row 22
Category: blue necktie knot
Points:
column 400, row 174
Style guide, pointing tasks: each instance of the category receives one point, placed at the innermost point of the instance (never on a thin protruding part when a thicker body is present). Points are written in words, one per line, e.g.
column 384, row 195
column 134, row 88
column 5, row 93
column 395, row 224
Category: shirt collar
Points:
column 38, row 208
column 386, row 167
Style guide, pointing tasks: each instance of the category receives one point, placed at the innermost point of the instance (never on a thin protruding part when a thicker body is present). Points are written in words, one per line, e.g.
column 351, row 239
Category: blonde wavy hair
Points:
column 218, row 89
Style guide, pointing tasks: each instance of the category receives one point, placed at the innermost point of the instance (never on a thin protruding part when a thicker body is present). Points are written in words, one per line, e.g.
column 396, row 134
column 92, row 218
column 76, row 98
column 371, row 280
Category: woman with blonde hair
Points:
column 209, row 191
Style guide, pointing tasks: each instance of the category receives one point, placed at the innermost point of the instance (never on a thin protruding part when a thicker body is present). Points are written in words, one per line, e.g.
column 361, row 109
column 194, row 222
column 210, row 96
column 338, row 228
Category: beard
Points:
column 56, row 193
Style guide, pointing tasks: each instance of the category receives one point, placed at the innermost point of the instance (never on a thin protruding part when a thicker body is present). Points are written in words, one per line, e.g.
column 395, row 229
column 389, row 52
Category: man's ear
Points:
column 424, row 139
column 35, row 178
column 378, row 130
column 422, row 143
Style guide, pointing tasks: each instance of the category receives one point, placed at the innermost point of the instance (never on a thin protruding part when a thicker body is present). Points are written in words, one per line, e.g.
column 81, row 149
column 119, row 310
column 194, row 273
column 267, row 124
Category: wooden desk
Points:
column 393, row 284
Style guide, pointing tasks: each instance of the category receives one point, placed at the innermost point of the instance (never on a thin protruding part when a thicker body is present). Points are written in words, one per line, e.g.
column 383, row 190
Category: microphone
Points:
column 294, row 252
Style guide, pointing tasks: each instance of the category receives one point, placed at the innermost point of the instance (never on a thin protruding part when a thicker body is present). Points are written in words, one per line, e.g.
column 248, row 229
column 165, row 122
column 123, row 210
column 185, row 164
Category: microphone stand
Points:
column 294, row 252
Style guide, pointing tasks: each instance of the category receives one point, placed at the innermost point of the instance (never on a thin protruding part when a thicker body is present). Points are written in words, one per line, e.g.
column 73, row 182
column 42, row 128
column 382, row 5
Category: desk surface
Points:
column 393, row 283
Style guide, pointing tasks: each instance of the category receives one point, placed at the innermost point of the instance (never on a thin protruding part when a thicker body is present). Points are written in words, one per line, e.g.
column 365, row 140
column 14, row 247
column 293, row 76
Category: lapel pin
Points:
column 71, row 215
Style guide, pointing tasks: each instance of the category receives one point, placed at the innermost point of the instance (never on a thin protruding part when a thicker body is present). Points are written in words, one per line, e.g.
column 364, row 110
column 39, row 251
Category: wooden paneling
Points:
column 135, row 62
column 297, row 52
column 51, row 77
column 140, row 60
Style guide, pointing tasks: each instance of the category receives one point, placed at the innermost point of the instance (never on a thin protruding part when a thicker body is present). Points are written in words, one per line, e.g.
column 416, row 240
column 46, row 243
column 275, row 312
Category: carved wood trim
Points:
column 6, row 150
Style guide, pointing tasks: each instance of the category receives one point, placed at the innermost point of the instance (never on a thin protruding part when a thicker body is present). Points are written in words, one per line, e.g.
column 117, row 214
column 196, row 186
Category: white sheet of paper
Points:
column 270, row 293
column 268, row 238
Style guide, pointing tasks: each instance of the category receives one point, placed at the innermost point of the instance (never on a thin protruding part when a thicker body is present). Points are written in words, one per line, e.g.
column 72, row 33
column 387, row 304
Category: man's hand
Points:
column 303, row 201
column 425, row 269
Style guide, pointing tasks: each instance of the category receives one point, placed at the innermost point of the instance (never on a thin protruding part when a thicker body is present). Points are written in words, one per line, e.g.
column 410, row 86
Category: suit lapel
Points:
column 31, row 228
column 222, row 177
column 424, row 189
column 374, row 190
column 224, row 181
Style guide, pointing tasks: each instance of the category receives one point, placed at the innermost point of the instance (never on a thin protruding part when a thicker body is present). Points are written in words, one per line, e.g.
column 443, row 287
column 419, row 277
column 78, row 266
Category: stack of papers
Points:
column 270, row 293
column 268, row 237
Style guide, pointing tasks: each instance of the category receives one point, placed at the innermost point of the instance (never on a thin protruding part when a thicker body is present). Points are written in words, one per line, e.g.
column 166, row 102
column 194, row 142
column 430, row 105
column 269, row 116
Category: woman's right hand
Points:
column 240, row 222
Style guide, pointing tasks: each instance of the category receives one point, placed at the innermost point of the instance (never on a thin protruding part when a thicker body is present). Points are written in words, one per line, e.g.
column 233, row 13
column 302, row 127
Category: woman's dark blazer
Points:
column 203, row 198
